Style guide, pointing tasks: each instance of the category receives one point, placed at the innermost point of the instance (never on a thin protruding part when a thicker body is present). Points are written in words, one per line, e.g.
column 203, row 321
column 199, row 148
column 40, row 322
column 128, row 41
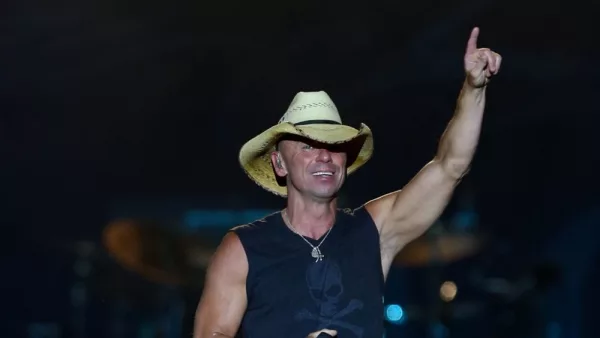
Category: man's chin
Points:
column 325, row 194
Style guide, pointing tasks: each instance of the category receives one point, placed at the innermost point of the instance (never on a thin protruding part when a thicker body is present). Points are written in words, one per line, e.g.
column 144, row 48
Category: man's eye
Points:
column 307, row 147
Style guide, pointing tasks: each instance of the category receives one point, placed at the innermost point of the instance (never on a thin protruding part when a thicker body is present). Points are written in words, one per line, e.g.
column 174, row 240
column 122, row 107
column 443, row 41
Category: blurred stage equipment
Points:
column 159, row 254
column 443, row 244
column 85, row 252
column 170, row 263
column 442, row 248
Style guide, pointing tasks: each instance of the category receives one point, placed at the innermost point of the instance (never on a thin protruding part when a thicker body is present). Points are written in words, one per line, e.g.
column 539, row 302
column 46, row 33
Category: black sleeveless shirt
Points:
column 291, row 295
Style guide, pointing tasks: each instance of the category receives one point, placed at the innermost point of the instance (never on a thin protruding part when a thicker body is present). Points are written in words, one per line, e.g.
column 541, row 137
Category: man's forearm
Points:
column 460, row 139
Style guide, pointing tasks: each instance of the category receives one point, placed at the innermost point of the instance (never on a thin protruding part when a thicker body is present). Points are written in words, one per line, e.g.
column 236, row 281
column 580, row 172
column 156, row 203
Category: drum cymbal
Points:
column 158, row 254
column 447, row 248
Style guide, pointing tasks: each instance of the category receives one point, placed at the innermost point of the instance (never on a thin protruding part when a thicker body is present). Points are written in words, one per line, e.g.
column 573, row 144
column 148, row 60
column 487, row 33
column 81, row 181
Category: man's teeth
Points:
column 323, row 173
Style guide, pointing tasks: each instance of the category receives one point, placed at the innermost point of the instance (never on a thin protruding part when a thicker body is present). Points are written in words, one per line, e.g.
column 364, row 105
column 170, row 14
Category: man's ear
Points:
column 278, row 164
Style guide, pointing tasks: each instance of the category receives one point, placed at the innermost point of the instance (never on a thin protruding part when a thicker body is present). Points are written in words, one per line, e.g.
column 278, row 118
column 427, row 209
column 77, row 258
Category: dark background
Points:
column 147, row 103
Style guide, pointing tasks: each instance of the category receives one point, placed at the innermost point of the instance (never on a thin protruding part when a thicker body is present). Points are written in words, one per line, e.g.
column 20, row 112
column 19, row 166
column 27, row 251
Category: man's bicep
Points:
column 407, row 213
column 223, row 301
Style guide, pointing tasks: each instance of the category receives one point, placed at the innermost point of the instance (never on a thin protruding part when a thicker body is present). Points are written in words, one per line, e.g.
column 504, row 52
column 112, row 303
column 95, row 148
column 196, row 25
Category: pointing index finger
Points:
column 472, row 43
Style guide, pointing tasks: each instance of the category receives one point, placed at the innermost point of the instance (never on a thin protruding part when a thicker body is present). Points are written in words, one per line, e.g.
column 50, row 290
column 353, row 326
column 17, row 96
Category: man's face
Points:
column 312, row 168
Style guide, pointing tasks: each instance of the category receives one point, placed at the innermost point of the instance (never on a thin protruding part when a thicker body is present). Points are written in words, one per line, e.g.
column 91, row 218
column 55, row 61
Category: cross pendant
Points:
column 317, row 255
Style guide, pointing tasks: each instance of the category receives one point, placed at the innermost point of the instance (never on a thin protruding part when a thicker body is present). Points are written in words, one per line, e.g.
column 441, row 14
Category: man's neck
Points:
column 311, row 218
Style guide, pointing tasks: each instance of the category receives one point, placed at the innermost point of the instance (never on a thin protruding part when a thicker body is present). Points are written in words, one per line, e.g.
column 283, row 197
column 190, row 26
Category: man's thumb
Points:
column 331, row 333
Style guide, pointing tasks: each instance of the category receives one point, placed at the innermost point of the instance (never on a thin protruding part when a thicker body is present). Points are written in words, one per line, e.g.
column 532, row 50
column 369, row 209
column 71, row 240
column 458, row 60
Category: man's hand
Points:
column 480, row 63
column 332, row 333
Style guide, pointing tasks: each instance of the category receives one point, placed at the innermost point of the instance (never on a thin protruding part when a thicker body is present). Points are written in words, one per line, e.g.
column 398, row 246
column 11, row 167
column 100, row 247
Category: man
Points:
column 311, row 268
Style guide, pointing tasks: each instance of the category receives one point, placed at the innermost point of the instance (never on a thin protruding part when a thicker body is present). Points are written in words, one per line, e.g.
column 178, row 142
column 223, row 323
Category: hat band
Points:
column 316, row 122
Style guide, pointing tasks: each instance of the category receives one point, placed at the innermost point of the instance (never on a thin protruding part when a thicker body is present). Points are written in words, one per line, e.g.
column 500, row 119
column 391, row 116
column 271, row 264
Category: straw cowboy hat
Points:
column 311, row 115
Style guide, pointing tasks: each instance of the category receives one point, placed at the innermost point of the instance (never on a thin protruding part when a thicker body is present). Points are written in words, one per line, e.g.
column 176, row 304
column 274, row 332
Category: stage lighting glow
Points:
column 448, row 291
column 394, row 313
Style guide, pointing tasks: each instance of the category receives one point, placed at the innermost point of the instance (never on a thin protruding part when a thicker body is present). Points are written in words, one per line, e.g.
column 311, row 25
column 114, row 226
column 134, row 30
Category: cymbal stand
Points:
column 436, row 327
column 79, row 292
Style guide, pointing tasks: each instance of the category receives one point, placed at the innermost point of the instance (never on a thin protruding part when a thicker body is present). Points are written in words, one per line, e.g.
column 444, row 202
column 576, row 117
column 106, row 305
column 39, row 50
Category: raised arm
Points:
column 404, row 215
column 223, row 300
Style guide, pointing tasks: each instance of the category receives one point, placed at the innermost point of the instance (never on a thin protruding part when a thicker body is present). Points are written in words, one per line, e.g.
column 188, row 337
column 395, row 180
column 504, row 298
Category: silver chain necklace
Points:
column 316, row 252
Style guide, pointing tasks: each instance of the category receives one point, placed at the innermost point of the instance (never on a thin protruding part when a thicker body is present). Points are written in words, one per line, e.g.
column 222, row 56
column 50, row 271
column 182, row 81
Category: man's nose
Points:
column 324, row 155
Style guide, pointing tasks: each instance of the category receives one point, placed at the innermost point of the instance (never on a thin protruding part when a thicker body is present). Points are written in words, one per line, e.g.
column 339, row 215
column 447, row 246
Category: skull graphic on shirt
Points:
column 324, row 282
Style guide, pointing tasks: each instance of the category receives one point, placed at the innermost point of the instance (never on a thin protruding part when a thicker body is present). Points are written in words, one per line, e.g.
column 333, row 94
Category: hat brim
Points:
column 255, row 155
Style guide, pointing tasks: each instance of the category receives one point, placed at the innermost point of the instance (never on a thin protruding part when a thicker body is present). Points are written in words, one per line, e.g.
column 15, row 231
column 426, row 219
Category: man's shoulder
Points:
column 262, row 223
